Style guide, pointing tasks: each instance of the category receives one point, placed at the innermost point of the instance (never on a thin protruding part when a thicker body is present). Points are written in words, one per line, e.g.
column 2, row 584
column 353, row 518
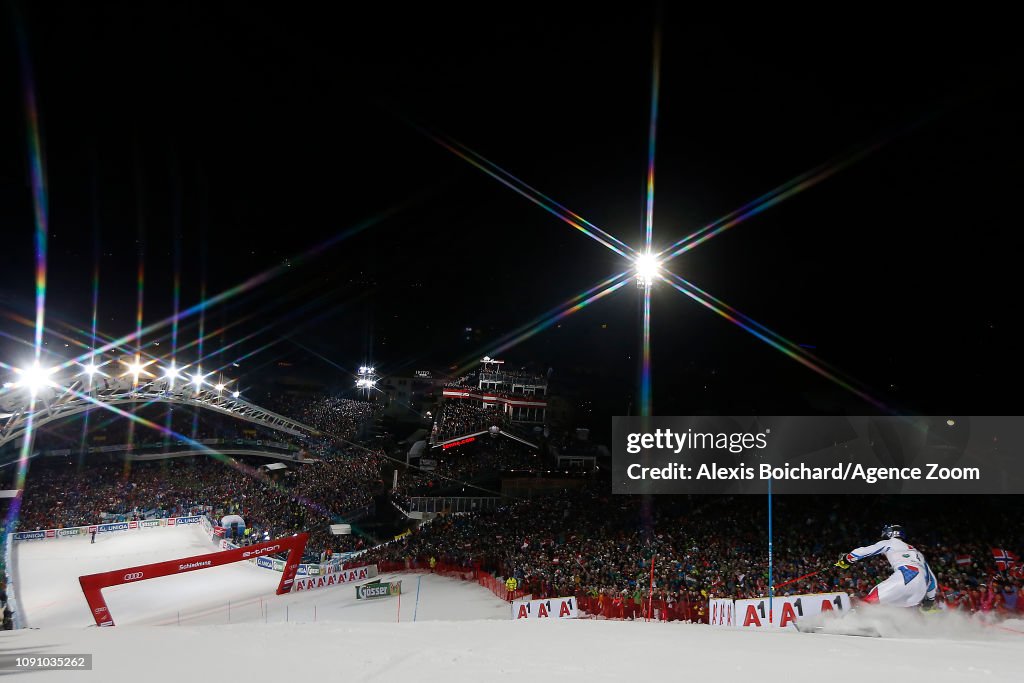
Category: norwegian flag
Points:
column 963, row 560
column 1004, row 558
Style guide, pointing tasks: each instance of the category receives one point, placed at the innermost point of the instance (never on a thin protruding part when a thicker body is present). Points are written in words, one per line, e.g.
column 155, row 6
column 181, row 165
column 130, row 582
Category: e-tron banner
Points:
column 820, row 455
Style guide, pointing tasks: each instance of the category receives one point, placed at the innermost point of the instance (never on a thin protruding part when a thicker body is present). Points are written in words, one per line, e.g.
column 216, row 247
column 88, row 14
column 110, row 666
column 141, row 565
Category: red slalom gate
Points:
column 93, row 584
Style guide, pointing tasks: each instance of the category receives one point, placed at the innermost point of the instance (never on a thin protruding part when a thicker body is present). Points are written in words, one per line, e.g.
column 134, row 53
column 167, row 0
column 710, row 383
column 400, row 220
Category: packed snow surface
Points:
column 226, row 622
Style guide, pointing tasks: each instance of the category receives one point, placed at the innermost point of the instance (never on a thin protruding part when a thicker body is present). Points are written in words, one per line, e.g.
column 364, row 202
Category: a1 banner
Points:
column 785, row 610
column 722, row 612
column 551, row 608
column 344, row 577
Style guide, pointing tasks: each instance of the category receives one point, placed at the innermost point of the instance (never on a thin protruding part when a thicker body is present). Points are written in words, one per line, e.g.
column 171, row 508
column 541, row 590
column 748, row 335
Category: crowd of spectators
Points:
column 457, row 418
column 600, row 546
column 332, row 415
column 307, row 497
column 485, row 458
column 179, row 425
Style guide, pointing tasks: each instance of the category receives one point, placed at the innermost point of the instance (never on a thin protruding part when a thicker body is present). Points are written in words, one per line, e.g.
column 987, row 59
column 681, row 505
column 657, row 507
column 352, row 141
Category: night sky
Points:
column 232, row 139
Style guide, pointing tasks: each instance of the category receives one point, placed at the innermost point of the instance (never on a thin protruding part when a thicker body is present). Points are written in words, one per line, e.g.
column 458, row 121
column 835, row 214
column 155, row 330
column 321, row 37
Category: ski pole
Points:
column 793, row 581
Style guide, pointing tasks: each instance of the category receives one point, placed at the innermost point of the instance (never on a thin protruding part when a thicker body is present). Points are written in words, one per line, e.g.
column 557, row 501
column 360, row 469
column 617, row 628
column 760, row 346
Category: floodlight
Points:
column 34, row 377
column 647, row 268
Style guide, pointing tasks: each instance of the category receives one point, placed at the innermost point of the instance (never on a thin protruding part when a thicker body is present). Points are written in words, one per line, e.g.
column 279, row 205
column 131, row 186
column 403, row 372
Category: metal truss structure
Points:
column 61, row 400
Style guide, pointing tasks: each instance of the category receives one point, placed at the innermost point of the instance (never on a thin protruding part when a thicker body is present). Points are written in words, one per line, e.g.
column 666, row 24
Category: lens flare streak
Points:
column 766, row 201
column 541, row 200
column 774, row 340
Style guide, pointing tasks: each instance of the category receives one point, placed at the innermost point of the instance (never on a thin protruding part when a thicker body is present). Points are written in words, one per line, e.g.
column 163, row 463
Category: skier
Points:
column 92, row 534
column 912, row 583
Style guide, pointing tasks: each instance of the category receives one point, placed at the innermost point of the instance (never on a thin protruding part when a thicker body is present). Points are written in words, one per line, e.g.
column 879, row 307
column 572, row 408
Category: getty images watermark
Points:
column 834, row 455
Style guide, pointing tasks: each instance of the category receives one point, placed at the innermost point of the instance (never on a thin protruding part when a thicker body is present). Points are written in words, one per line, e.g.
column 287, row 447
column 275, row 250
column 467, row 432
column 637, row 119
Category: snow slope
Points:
column 580, row 650
column 50, row 596
column 461, row 633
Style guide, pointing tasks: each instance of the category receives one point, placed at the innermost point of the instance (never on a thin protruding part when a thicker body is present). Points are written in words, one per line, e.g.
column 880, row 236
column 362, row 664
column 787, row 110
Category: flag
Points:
column 1004, row 558
column 963, row 560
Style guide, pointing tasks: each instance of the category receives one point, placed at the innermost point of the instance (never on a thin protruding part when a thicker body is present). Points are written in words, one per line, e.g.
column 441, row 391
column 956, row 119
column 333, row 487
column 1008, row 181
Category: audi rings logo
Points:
column 133, row 577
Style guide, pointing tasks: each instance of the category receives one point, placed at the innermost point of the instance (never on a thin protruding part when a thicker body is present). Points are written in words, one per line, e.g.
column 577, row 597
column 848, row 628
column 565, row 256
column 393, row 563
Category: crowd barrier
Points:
column 108, row 527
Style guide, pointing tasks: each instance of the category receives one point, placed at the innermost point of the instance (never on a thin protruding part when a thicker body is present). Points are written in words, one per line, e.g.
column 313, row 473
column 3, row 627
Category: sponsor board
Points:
column 552, row 608
column 149, row 523
column 116, row 526
column 785, row 610
column 133, row 525
column 29, row 535
column 74, row 531
column 278, row 565
column 184, row 520
column 376, row 589
column 266, row 563
column 336, row 579
column 51, row 533
column 721, row 613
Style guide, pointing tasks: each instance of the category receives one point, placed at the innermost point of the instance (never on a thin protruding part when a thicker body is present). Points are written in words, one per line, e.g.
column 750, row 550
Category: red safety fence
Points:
column 483, row 578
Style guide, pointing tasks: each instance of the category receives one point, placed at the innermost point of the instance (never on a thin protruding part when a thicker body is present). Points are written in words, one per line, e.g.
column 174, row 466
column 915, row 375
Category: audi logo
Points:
column 133, row 577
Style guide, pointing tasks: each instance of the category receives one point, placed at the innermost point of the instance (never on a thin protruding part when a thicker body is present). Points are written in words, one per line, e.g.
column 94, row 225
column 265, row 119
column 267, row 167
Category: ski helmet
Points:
column 892, row 531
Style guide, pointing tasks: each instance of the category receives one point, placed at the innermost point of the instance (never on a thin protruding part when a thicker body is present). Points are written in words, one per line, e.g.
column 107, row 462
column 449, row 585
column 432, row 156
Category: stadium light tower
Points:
column 366, row 379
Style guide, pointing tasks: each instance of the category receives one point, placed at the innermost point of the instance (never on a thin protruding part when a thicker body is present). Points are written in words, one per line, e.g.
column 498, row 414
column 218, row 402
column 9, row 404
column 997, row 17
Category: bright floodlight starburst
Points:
column 34, row 377
column 648, row 269
column 648, row 265
column 137, row 368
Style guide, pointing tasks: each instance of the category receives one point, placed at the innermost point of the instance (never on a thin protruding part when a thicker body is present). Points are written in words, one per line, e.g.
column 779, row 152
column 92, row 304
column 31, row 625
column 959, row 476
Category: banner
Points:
column 74, row 531
column 787, row 609
column 376, row 589
column 175, row 521
column 722, row 613
column 150, row 523
column 29, row 535
column 552, row 608
column 116, row 526
column 344, row 577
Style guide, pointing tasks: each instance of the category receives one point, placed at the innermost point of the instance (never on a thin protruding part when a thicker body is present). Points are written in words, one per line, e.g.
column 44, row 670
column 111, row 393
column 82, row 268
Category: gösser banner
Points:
column 552, row 608
column 784, row 612
column 376, row 589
